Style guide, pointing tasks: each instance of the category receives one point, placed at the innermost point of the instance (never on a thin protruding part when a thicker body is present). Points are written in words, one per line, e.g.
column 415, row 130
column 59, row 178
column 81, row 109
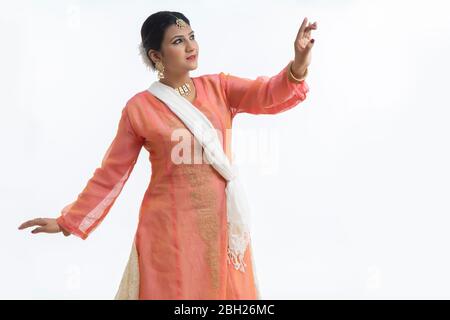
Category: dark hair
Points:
column 153, row 30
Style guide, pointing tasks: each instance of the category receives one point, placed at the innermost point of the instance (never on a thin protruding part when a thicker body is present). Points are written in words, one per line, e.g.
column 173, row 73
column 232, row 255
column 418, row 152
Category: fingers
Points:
column 302, row 28
column 30, row 223
column 37, row 230
column 306, row 27
column 305, row 32
column 310, row 27
column 310, row 44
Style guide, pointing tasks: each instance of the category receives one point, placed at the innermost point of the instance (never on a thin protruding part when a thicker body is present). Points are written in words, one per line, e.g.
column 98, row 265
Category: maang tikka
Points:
column 180, row 22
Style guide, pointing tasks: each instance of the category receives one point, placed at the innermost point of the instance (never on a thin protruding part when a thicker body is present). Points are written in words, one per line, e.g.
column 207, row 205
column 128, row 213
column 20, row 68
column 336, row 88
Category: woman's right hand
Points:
column 48, row 225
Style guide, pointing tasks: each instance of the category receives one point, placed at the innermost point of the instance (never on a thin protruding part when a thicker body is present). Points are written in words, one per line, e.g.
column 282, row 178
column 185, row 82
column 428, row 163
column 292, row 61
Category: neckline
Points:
column 197, row 91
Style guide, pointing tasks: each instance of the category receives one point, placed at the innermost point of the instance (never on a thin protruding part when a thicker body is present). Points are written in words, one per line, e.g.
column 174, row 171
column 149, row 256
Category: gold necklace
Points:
column 184, row 90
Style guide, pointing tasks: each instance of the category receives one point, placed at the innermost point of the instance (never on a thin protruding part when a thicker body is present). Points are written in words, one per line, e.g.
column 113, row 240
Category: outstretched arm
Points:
column 83, row 215
column 264, row 95
column 270, row 95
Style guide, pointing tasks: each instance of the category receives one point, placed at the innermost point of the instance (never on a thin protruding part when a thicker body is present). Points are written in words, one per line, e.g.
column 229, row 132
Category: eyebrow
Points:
column 181, row 35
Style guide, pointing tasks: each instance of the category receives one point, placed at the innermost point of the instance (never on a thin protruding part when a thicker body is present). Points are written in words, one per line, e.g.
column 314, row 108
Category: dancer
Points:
column 193, row 238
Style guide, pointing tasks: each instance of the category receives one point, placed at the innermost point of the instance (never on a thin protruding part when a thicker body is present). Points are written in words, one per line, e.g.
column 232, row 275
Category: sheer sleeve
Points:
column 264, row 95
column 83, row 215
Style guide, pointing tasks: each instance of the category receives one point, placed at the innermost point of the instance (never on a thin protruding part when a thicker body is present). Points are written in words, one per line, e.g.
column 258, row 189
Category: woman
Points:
column 180, row 246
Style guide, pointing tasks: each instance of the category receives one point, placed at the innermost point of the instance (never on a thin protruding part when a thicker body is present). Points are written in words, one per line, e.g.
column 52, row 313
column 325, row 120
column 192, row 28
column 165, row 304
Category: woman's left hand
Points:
column 303, row 44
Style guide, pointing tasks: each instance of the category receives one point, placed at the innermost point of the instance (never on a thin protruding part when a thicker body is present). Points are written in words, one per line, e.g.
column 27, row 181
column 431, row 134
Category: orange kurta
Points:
column 181, row 237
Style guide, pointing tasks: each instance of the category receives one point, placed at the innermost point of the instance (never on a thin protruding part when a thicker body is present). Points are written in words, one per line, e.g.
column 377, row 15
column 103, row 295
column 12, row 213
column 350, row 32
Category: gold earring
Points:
column 160, row 68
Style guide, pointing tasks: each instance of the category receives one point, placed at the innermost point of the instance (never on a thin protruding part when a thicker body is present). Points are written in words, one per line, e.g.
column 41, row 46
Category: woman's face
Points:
column 177, row 45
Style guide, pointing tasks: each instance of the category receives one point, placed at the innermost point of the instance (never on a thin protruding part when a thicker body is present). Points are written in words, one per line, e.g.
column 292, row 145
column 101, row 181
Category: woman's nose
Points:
column 190, row 46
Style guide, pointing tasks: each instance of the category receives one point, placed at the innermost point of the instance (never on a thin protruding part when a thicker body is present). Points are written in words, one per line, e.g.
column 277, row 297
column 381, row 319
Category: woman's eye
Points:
column 176, row 41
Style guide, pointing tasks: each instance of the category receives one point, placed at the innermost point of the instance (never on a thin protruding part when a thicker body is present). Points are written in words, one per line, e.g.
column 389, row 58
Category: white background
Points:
column 358, row 205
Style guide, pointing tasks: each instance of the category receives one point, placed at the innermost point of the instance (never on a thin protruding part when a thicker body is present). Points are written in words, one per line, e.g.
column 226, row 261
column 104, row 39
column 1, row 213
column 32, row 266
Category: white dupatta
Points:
column 238, row 216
